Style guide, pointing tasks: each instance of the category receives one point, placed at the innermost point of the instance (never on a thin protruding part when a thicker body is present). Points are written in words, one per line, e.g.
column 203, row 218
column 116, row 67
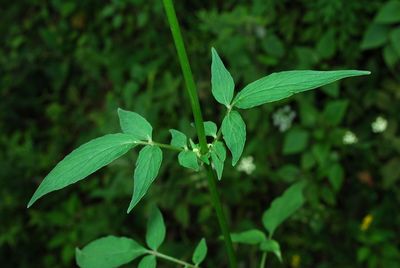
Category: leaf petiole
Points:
column 171, row 259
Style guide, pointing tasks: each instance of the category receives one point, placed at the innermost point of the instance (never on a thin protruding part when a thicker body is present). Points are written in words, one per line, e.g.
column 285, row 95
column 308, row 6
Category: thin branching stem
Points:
column 198, row 119
column 171, row 259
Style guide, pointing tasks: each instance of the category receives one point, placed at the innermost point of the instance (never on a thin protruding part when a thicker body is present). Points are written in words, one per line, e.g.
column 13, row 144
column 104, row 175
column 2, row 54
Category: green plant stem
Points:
column 198, row 118
column 187, row 73
column 162, row 145
column 263, row 260
column 171, row 259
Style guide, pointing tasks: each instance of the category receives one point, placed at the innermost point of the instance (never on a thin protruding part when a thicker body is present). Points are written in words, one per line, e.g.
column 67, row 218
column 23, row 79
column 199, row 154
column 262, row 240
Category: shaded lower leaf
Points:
column 234, row 133
column 155, row 229
column 107, row 252
column 84, row 161
column 283, row 207
column 148, row 261
column 147, row 167
column 272, row 246
column 252, row 237
column 218, row 156
column 200, row 252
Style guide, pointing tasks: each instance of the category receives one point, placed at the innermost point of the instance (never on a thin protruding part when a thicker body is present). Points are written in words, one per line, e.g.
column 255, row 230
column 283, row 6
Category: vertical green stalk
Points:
column 198, row 119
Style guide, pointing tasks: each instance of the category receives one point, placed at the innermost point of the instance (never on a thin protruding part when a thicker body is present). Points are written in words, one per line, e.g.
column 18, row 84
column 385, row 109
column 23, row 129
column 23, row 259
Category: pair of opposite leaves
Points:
column 100, row 152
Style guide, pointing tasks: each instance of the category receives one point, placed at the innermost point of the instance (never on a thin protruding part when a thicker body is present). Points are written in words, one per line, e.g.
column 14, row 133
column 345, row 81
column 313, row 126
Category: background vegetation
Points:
column 67, row 65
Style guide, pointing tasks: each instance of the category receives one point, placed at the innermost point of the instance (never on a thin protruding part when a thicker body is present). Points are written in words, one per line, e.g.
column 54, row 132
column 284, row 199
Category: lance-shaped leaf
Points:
column 155, row 234
column 178, row 138
column 218, row 156
column 234, row 133
column 251, row 237
column 283, row 207
column 281, row 85
column 200, row 252
column 84, row 161
column 147, row 167
column 272, row 246
column 135, row 124
column 110, row 251
column 148, row 261
column 188, row 159
column 389, row 13
column 221, row 80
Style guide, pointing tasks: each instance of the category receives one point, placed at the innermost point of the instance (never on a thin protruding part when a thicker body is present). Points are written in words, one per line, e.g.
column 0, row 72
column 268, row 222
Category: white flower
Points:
column 349, row 138
column 283, row 118
column 379, row 125
column 247, row 165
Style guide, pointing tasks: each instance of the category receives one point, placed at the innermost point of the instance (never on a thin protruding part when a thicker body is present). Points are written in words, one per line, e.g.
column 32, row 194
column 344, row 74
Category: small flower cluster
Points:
column 378, row 126
column 246, row 165
column 283, row 118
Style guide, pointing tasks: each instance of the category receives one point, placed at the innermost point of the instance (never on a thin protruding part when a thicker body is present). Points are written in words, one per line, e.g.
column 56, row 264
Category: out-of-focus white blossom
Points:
column 379, row 125
column 246, row 165
column 283, row 118
column 350, row 138
column 260, row 31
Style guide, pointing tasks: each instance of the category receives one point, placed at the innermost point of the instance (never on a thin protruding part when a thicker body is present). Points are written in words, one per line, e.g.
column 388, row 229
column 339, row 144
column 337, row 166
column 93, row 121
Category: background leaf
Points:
column 389, row 13
column 155, row 234
column 221, row 81
column 110, row 251
column 281, row 85
column 83, row 161
column 375, row 36
column 234, row 133
column 147, row 166
column 135, row 124
column 283, row 207
column 252, row 237
column 200, row 252
column 296, row 141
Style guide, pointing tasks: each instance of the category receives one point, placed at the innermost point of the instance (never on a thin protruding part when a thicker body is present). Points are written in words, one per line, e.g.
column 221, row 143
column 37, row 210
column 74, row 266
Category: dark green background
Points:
column 66, row 66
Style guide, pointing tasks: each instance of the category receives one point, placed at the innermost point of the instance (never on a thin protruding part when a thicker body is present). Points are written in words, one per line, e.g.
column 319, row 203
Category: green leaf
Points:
column 110, row 251
column 200, row 252
column 375, row 36
column 390, row 56
column 147, row 167
column 84, row 161
column 336, row 176
column 389, row 13
column 148, row 261
column 218, row 156
column 395, row 40
column 296, row 141
column 155, row 229
column 134, row 124
column 283, row 207
column 210, row 129
column 188, row 159
column 326, row 46
column 272, row 246
column 234, row 133
column 335, row 111
column 178, row 138
column 252, row 237
column 281, row 85
column 221, row 81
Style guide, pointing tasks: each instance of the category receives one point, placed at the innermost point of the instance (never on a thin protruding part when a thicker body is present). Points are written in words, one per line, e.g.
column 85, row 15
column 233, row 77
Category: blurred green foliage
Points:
column 67, row 65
